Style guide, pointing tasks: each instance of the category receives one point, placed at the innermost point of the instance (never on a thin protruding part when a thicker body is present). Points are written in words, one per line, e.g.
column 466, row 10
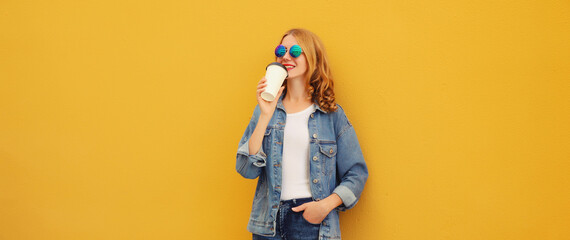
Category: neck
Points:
column 297, row 91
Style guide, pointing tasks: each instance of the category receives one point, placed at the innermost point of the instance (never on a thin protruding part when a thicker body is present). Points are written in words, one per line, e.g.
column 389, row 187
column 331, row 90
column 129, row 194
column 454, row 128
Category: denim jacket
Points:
column 336, row 166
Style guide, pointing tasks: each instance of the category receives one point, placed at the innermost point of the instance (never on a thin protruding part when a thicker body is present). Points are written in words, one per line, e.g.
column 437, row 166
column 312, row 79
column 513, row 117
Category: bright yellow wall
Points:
column 120, row 120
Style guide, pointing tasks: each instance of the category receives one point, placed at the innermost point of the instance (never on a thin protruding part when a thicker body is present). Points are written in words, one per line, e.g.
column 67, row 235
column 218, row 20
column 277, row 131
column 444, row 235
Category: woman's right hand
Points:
column 267, row 108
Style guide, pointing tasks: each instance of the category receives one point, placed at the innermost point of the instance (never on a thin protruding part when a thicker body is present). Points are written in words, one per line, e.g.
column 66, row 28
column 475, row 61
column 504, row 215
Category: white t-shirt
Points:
column 295, row 164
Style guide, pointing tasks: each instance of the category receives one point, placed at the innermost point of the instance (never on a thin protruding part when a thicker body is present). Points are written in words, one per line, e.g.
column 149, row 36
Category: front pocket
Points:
column 307, row 222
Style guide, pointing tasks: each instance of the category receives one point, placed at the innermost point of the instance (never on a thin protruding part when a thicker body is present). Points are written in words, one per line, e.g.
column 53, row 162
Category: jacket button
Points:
column 314, row 135
column 315, row 158
column 331, row 151
column 312, row 115
column 315, row 180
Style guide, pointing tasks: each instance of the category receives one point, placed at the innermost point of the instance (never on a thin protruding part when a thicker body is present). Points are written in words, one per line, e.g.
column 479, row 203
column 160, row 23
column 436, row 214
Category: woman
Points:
column 303, row 149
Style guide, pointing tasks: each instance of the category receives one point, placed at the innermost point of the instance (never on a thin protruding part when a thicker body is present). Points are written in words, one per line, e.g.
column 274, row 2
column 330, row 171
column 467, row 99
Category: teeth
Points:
column 290, row 66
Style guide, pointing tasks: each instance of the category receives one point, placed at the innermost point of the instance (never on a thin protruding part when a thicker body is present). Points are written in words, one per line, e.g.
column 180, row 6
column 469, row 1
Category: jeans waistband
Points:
column 296, row 201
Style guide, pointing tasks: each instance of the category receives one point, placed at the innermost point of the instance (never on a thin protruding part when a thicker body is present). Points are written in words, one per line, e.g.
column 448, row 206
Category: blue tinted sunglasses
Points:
column 295, row 51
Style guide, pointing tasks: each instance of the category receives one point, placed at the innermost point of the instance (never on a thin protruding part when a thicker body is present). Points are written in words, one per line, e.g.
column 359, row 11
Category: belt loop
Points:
column 295, row 201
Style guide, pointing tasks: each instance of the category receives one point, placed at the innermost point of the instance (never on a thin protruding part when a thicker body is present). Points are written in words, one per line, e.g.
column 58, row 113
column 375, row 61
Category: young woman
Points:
column 302, row 148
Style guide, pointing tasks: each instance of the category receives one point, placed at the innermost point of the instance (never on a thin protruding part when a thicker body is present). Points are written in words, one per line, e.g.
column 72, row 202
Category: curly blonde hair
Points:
column 320, row 84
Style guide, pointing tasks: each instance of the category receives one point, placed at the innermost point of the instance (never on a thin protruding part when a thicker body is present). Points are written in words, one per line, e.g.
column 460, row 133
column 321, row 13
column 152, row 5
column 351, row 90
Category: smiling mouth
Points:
column 289, row 67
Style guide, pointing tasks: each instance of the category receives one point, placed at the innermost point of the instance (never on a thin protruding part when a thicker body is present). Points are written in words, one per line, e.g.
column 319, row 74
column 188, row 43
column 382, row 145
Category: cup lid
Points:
column 280, row 65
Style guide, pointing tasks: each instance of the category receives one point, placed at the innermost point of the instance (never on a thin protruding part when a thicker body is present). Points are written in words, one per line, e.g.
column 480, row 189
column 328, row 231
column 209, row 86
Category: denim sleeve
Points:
column 249, row 166
column 351, row 168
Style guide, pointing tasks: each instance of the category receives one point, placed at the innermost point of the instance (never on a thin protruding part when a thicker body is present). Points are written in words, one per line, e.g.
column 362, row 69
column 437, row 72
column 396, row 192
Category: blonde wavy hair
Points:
column 319, row 81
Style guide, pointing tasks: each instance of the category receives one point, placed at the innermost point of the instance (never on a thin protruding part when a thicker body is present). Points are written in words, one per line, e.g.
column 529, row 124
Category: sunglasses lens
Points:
column 295, row 51
column 280, row 51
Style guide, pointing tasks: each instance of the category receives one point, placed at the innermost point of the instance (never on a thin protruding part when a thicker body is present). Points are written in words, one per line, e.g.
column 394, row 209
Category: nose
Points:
column 287, row 56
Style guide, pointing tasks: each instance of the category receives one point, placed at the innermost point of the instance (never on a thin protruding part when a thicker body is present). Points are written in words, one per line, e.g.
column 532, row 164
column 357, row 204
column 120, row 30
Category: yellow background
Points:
column 121, row 119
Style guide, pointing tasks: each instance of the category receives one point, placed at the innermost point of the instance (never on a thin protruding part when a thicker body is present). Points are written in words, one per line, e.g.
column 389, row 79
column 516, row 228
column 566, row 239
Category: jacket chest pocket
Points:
column 328, row 156
column 328, row 149
column 272, row 136
column 267, row 140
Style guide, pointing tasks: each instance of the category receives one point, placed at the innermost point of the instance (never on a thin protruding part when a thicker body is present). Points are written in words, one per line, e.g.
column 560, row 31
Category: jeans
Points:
column 291, row 225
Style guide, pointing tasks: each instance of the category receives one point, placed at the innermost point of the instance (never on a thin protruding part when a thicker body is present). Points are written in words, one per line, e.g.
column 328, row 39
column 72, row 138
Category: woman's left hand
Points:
column 315, row 212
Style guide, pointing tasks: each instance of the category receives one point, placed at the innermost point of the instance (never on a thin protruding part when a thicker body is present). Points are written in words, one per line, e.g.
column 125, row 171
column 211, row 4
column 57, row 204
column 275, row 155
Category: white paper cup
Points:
column 275, row 74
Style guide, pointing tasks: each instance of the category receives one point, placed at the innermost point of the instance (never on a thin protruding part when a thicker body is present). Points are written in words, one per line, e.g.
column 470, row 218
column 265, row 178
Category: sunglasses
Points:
column 295, row 51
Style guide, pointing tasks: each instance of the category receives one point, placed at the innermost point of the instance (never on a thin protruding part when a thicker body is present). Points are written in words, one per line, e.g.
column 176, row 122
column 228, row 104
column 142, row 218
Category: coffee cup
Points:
column 275, row 74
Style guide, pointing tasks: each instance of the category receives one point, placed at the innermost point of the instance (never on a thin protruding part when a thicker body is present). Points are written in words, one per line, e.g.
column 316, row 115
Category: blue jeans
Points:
column 291, row 225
